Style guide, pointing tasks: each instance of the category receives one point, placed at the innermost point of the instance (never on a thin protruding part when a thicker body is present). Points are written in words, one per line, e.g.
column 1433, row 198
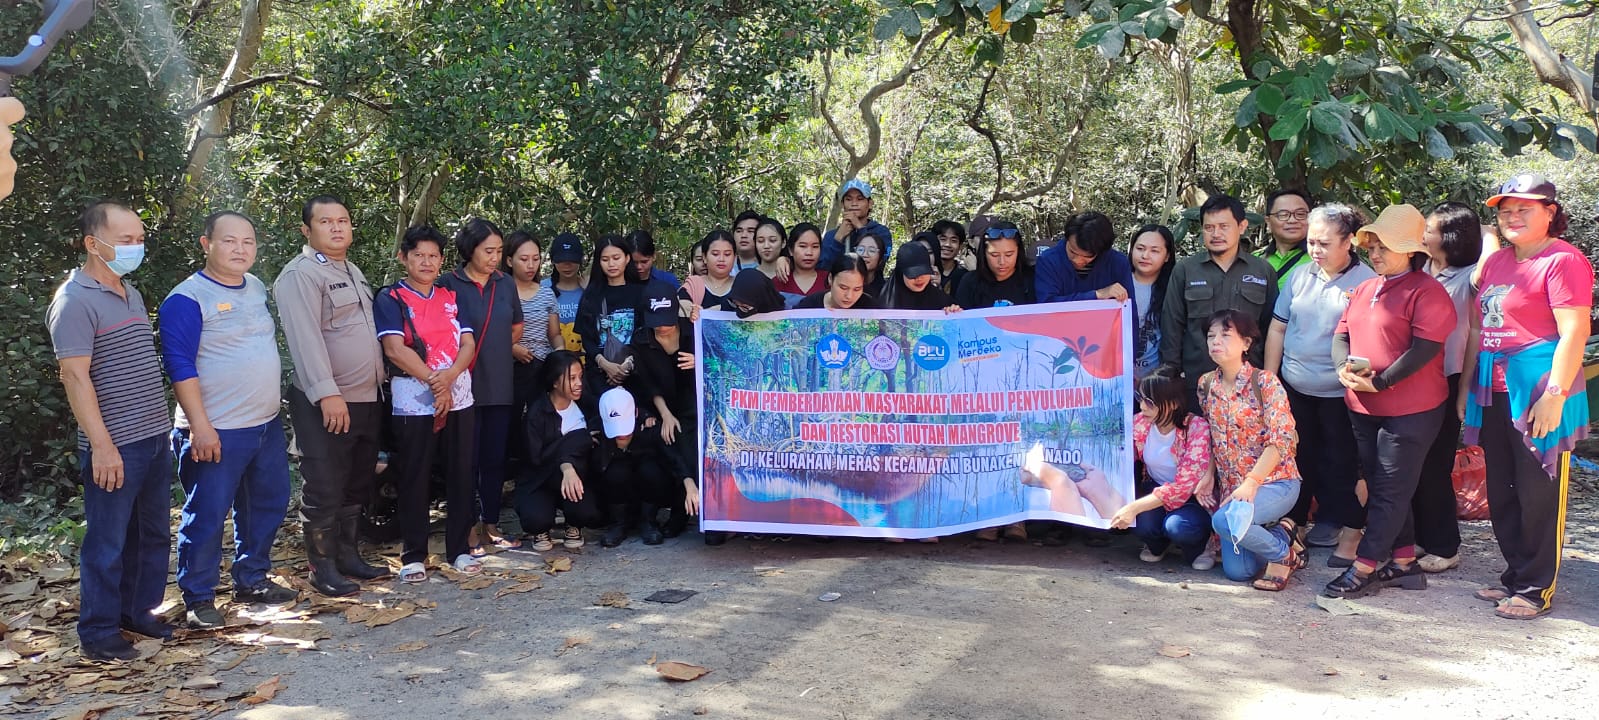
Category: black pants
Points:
column 1391, row 451
column 638, row 479
column 493, row 431
column 687, row 445
column 524, row 390
column 1526, row 505
column 539, row 493
column 1327, row 460
column 337, row 470
column 417, row 447
column 1437, row 523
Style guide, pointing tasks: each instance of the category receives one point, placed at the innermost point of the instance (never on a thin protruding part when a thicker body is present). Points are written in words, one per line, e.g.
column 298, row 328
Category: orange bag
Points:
column 1471, row 484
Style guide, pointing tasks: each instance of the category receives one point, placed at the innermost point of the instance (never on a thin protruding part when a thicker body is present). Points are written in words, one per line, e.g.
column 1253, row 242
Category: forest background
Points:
column 601, row 116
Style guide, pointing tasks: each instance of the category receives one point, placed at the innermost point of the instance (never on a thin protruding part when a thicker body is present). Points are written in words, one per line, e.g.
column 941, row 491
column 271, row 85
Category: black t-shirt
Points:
column 817, row 301
column 930, row 299
column 952, row 281
column 975, row 292
column 711, row 301
column 607, row 318
column 491, row 309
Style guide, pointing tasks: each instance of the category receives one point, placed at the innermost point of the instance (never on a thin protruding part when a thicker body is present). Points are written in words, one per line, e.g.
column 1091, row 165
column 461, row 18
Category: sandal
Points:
column 1294, row 540
column 1275, row 583
column 467, row 565
column 1492, row 594
column 412, row 573
column 1520, row 608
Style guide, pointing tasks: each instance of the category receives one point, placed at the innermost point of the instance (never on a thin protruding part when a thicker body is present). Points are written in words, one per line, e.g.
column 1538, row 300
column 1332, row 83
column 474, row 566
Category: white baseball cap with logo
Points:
column 617, row 412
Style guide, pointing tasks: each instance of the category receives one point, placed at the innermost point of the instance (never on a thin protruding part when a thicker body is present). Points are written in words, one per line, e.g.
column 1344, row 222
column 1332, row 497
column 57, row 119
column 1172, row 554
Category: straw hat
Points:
column 1399, row 228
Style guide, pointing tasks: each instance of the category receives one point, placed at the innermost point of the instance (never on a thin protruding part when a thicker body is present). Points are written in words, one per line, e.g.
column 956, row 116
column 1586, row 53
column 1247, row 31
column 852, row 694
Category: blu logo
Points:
column 931, row 352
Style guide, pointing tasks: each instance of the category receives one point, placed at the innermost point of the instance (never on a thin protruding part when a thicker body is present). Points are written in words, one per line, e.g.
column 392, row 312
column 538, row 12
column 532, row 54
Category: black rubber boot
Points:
column 320, row 545
column 616, row 532
column 648, row 531
column 676, row 522
column 348, row 557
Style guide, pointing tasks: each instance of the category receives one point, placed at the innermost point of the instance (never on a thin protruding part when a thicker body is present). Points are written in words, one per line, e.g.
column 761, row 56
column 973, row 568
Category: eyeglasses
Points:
column 1286, row 215
column 1140, row 398
column 1002, row 233
column 867, row 250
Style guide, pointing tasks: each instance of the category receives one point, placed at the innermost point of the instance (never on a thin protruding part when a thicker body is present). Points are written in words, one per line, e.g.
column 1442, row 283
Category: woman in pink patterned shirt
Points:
column 1172, row 449
column 1252, row 443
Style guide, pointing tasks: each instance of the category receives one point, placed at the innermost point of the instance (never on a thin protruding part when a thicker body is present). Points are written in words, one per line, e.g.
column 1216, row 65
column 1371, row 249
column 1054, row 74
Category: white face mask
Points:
column 128, row 257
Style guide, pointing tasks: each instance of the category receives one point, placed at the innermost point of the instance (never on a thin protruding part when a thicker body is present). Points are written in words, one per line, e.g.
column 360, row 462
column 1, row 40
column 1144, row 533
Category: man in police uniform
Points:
column 325, row 307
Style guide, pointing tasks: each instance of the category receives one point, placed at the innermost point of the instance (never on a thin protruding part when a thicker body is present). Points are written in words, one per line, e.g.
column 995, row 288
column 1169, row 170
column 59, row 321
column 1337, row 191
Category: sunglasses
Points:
column 1002, row 233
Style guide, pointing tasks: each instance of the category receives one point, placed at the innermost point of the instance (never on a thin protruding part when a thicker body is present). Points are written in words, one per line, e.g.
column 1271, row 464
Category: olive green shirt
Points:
column 1198, row 288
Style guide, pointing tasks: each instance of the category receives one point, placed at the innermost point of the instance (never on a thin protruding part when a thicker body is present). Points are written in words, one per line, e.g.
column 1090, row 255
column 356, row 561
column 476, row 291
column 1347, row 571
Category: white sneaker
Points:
column 1149, row 557
column 574, row 538
column 1438, row 564
column 542, row 542
column 1204, row 562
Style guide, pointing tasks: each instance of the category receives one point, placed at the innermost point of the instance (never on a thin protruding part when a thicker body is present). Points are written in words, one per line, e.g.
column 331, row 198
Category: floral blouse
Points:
column 1242, row 427
column 1191, row 448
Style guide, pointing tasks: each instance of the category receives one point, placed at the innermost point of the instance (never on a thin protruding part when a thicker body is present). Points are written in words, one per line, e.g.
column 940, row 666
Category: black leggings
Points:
column 1437, row 523
column 536, row 499
column 416, row 446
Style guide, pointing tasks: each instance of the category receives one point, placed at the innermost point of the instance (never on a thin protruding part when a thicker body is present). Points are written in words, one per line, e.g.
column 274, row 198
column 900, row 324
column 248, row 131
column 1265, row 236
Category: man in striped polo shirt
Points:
column 220, row 348
column 102, row 339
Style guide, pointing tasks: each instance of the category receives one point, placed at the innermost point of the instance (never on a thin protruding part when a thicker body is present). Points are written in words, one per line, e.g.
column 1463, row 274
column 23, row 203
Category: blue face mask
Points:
column 1240, row 514
column 128, row 259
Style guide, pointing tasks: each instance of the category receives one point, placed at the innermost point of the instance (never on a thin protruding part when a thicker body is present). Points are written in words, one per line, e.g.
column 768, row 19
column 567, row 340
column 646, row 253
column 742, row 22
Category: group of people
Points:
column 1259, row 379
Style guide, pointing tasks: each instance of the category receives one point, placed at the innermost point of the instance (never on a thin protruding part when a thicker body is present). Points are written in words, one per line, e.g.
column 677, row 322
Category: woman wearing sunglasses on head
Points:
column 1004, row 274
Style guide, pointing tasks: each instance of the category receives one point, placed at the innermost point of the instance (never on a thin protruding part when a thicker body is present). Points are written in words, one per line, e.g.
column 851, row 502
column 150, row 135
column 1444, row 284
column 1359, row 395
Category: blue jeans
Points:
column 1188, row 526
column 1264, row 542
column 123, row 560
column 252, row 482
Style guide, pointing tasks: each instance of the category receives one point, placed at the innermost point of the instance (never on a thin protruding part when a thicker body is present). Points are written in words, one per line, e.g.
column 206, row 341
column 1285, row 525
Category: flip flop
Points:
column 1491, row 594
column 413, row 573
column 1504, row 608
column 505, row 543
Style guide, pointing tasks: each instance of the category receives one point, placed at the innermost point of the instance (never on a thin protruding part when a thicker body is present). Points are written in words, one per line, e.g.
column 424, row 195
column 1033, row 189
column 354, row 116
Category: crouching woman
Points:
column 559, row 447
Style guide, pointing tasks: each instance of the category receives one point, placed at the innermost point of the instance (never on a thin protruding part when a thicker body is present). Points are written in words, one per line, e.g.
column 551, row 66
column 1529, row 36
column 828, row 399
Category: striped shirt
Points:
column 88, row 319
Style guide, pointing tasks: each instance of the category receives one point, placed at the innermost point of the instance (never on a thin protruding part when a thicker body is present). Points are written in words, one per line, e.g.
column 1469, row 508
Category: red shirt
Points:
column 792, row 287
column 1517, row 296
column 1384, row 315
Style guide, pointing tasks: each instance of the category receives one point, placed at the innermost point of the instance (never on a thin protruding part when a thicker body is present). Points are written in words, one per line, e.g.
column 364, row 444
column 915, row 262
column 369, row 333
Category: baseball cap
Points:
column 856, row 184
column 660, row 305
column 978, row 227
column 566, row 248
column 1398, row 227
column 1527, row 186
column 617, row 412
column 913, row 261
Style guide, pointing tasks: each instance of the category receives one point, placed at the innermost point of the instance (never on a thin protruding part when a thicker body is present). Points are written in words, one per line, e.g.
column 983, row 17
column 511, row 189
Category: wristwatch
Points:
column 1555, row 390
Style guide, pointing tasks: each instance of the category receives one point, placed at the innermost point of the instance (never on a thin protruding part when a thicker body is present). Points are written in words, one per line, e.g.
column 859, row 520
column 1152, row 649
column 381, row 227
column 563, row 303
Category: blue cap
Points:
column 856, row 184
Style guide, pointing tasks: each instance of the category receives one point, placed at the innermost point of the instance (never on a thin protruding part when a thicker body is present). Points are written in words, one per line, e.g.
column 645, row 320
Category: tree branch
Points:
column 827, row 115
column 258, row 81
column 1551, row 67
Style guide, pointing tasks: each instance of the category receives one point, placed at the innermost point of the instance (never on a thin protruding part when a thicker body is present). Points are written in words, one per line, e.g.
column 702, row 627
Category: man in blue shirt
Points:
column 855, row 223
column 644, row 269
column 1084, row 265
column 220, row 348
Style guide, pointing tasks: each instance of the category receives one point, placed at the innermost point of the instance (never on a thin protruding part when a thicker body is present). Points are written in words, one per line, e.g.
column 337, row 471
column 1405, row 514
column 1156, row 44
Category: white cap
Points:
column 617, row 412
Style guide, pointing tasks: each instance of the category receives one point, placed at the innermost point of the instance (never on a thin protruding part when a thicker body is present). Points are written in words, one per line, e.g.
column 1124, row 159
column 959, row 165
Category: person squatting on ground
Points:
column 559, row 449
column 325, row 307
column 1252, row 442
column 430, row 345
column 1388, row 350
column 219, row 344
column 635, row 469
column 101, row 335
column 1524, row 400
column 1171, row 450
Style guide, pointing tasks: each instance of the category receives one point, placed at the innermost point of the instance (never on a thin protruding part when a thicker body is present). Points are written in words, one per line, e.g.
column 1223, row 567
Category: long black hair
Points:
column 597, row 273
column 556, row 366
column 1024, row 262
column 1148, row 329
column 514, row 242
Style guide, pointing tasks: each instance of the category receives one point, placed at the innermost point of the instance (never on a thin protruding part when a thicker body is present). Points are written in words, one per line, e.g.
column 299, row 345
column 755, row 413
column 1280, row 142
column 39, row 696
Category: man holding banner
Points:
column 914, row 424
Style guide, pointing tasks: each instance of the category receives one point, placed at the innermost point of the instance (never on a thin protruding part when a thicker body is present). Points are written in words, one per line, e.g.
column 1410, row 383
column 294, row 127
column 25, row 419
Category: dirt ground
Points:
column 960, row 629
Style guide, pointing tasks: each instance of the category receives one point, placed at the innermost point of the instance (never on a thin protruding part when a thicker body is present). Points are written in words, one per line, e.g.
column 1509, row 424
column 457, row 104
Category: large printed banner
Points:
column 915, row 424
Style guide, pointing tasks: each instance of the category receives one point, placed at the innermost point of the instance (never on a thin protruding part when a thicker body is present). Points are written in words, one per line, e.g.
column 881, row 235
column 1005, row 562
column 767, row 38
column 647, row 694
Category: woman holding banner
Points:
column 1172, row 450
column 1252, row 442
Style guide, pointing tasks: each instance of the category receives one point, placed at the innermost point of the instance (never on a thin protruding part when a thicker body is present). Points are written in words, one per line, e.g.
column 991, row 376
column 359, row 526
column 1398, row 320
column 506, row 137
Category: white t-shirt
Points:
column 1158, row 458
column 571, row 418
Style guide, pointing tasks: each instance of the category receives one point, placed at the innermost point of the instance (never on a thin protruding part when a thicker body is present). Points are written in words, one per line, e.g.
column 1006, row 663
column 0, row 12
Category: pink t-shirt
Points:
column 1384, row 316
column 1517, row 297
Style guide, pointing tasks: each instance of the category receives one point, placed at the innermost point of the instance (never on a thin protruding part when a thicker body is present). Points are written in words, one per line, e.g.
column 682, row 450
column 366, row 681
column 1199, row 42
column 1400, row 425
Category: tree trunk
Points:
column 1551, row 67
column 209, row 128
column 1246, row 25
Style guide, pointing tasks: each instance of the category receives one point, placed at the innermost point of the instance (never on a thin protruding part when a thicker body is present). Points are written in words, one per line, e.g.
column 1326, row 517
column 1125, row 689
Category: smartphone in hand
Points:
column 1358, row 365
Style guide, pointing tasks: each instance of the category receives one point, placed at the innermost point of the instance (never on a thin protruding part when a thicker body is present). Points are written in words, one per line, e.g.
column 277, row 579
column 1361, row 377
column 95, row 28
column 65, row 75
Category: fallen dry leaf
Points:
column 80, row 679
column 612, row 598
column 517, row 588
column 412, row 646
column 478, row 583
column 614, row 626
column 88, row 711
column 265, row 691
column 203, row 682
column 1329, row 671
column 1175, row 651
column 359, row 614
column 650, row 661
column 680, row 671
column 557, row 565
column 19, row 590
column 389, row 615
column 571, row 642
column 182, row 698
